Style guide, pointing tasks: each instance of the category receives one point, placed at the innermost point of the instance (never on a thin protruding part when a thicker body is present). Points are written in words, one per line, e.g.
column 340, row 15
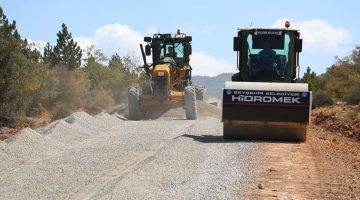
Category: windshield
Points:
column 179, row 50
column 268, row 50
column 174, row 50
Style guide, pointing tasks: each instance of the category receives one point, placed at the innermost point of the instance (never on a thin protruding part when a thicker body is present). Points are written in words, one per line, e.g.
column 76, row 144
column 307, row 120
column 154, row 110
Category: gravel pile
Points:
column 108, row 120
column 3, row 157
column 6, row 162
column 85, row 121
column 29, row 144
column 78, row 126
column 2, row 151
column 2, row 146
column 63, row 132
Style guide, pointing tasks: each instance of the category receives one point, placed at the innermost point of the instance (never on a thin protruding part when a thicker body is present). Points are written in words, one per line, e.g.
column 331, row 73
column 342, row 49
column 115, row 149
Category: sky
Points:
column 328, row 28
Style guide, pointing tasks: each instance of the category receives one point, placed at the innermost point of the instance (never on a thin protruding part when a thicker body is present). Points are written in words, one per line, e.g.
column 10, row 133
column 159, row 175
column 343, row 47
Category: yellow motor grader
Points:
column 169, row 76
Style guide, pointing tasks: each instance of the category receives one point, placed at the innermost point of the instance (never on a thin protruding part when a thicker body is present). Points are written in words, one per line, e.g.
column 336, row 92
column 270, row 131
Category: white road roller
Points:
column 264, row 99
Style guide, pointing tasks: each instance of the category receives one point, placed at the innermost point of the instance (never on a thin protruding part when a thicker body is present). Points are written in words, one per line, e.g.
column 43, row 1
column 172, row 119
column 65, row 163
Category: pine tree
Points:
column 30, row 52
column 18, row 72
column 48, row 54
column 116, row 62
column 356, row 56
column 66, row 52
column 310, row 78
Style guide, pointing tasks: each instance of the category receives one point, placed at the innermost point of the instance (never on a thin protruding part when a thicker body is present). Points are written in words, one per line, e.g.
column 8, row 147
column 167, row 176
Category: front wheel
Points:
column 190, row 103
column 134, row 104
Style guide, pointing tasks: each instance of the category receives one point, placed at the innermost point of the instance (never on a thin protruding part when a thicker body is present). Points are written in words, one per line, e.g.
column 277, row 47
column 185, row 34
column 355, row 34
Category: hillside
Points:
column 213, row 84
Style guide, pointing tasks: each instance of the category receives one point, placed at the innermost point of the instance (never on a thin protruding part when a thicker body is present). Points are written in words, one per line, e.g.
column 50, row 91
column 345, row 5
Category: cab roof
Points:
column 267, row 29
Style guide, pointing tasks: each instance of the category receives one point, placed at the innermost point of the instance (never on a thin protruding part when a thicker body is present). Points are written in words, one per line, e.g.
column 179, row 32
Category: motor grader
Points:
column 168, row 77
column 264, row 99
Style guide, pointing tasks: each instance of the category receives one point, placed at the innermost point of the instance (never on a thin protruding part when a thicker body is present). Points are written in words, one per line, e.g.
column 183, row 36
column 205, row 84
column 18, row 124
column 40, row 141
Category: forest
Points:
column 58, row 80
column 340, row 82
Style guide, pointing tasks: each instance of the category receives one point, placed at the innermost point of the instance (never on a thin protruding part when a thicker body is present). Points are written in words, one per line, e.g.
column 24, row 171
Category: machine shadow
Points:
column 155, row 111
column 208, row 138
column 220, row 139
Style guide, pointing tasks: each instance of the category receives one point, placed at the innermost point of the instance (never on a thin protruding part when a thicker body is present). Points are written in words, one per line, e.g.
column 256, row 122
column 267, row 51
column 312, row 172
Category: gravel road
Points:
column 103, row 157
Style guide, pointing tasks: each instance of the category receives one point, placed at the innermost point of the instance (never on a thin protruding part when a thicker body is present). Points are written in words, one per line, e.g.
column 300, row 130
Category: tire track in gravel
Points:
column 198, row 164
column 113, row 175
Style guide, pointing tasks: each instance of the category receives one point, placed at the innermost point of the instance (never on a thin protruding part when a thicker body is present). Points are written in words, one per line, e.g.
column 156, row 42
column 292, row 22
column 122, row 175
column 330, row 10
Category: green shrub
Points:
column 353, row 95
column 321, row 99
column 37, row 110
column 99, row 100
column 60, row 110
column 353, row 114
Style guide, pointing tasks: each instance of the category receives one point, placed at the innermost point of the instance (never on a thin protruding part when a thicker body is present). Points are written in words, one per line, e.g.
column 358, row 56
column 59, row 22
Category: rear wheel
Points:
column 190, row 103
column 134, row 104
column 200, row 93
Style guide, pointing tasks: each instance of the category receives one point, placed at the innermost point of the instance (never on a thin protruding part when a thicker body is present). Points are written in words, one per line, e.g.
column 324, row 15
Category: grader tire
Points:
column 190, row 103
column 134, row 104
column 200, row 93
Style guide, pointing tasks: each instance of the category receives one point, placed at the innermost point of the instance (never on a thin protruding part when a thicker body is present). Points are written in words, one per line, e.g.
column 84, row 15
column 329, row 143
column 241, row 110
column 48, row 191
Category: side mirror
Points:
column 237, row 46
column 187, row 49
column 148, row 50
column 298, row 45
column 147, row 39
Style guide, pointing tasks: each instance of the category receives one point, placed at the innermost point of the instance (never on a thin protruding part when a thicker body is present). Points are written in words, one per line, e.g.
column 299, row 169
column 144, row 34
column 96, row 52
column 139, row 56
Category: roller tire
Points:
column 134, row 104
column 245, row 133
column 190, row 103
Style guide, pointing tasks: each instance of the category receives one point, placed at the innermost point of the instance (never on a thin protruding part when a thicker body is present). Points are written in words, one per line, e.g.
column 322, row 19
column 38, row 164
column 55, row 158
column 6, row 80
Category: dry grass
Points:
column 348, row 111
column 41, row 120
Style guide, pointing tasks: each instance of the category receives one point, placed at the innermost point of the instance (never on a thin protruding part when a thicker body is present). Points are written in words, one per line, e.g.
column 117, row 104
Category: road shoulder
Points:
column 325, row 167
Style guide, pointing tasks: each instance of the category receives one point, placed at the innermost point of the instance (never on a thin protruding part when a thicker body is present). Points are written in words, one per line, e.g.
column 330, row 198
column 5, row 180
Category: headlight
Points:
column 160, row 74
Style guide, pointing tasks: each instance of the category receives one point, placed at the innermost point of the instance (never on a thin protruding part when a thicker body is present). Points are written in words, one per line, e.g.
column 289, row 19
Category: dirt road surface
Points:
column 103, row 157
